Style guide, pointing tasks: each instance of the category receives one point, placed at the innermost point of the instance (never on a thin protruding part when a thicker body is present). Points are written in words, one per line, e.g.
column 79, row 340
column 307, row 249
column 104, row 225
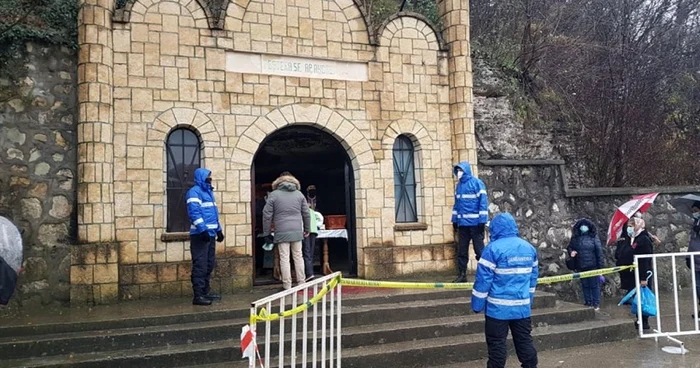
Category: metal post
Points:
column 281, row 347
column 656, row 294
column 338, row 314
column 675, row 295
column 695, row 292
column 330, row 332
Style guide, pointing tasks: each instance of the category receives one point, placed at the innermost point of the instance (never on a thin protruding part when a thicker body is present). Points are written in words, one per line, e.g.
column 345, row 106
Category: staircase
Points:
column 421, row 329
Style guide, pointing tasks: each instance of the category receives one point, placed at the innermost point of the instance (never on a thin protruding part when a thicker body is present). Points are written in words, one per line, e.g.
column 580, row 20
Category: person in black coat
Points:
column 586, row 254
column 642, row 243
column 624, row 256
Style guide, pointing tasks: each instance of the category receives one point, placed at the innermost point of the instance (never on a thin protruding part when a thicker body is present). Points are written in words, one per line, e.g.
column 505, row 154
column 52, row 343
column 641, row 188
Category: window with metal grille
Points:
column 182, row 150
column 404, row 180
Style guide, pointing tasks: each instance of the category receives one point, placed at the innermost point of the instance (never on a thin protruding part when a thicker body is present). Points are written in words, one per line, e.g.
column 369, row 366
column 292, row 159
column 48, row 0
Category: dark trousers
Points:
column 203, row 262
column 591, row 291
column 496, row 335
column 469, row 234
column 308, row 251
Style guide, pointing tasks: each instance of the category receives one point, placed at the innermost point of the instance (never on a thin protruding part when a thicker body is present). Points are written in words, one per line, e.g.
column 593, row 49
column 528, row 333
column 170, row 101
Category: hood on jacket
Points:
column 464, row 165
column 200, row 177
column 287, row 183
column 503, row 226
column 592, row 229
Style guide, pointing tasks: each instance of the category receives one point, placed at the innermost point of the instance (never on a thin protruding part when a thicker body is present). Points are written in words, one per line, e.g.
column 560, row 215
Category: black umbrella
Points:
column 685, row 203
column 10, row 258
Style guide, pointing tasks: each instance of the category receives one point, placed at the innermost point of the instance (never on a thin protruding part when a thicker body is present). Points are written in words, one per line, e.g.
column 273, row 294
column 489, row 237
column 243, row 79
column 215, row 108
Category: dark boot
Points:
column 461, row 278
column 200, row 300
column 212, row 296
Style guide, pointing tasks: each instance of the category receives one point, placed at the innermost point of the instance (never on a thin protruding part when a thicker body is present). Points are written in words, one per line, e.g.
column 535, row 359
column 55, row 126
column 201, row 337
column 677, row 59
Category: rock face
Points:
column 535, row 196
column 500, row 132
column 38, row 164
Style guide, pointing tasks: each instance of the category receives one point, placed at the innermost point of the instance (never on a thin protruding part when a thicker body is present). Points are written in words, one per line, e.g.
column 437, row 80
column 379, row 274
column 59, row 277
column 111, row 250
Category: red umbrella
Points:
column 637, row 204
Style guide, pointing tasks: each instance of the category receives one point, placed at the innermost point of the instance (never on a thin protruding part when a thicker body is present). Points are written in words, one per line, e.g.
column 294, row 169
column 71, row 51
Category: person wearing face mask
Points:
column 641, row 244
column 311, row 196
column 586, row 251
column 694, row 245
column 205, row 229
column 624, row 256
column 469, row 216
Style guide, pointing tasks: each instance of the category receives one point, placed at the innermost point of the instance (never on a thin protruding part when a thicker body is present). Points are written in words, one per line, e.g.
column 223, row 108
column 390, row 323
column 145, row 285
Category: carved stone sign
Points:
column 290, row 66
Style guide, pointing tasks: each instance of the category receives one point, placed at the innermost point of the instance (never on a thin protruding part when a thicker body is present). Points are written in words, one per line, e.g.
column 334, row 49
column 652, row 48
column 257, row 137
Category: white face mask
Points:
column 460, row 173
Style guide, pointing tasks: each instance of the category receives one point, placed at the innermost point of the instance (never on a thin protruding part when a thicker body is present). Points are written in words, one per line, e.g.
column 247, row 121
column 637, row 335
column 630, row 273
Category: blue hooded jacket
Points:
column 201, row 207
column 506, row 275
column 471, row 206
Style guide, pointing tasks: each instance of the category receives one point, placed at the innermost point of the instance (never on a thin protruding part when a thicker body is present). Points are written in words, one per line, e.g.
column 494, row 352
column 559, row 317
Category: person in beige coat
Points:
column 288, row 211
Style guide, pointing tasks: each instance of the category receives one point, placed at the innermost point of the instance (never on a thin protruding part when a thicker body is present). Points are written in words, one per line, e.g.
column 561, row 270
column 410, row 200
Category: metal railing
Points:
column 309, row 304
column 659, row 330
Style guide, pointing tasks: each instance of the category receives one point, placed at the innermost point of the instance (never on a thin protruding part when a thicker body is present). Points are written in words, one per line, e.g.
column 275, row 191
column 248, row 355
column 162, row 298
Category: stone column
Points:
column 455, row 18
column 94, row 274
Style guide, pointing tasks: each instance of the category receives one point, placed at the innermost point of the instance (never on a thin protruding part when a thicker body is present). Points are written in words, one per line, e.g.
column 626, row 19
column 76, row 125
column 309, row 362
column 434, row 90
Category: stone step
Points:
column 119, row 339
column 385, row 333
column 155, row 357
column 454, row 351
column 158, row 313
column 209, row 328
column 358, row 342
column 422, row 353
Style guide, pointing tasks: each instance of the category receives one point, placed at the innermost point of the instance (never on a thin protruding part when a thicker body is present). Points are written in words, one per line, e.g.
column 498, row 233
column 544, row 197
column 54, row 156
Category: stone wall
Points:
column 535, row 195
column 38, row 165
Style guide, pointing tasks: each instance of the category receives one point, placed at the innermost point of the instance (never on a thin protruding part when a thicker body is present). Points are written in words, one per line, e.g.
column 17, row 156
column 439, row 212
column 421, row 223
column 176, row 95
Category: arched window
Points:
column 404, row 180
column 183, row 155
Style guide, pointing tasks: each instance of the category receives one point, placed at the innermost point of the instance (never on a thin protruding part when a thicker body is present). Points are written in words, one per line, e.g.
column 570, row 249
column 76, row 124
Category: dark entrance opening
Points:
column 316, row 158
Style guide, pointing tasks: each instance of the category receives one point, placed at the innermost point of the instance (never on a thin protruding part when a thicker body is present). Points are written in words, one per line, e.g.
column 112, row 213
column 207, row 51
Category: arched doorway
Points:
column 316, row 158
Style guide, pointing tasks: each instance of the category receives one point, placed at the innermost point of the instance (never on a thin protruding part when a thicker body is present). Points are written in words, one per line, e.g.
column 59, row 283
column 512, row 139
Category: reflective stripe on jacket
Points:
column 506, row 275
column 201, row 206
column 471, row 207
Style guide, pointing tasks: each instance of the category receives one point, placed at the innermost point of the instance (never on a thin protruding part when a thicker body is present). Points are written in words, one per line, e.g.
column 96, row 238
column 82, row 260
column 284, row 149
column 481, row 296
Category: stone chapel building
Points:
column 375, row 119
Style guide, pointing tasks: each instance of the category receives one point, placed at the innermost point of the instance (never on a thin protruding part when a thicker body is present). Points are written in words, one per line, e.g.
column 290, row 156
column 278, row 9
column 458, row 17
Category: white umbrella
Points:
column 685, row 203
column 10, row 258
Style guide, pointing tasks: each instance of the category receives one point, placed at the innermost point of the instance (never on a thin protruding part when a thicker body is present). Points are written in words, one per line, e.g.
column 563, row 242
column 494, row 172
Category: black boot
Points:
column 461, row 278
column 201, row 300
column 213, row 296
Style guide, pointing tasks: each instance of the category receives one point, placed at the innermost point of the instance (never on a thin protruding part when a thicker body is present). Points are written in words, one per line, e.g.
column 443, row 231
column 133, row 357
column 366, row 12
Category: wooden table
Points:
column 325, row 235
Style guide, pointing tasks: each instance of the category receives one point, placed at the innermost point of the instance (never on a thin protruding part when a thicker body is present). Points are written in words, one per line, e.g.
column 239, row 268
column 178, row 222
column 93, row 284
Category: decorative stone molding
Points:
column 396, row 22
column 355, row 143
column 419, row 134
column 200, row 9
column 179, row 117
column 355, row 17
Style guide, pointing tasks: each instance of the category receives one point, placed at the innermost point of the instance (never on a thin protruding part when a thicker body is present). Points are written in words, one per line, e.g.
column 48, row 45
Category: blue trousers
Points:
column 591, row 291
column 203, row 262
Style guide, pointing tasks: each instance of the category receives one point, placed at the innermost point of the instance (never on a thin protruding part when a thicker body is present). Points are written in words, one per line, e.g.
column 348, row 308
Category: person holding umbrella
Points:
column 641, row 243
column 690, row 205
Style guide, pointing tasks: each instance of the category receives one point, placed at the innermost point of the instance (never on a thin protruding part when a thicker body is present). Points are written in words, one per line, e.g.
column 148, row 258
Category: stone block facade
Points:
column 155, row 66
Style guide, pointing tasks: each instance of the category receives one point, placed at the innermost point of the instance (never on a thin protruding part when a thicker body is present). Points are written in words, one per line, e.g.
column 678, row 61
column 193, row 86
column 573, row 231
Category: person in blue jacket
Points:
column 469, row 216
column 204, row 217
column 506, row 278
column 586, row 254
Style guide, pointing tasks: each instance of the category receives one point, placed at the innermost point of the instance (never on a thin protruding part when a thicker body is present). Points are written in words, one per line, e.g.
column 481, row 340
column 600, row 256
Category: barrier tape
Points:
column 470, row 285
column 265, row 317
